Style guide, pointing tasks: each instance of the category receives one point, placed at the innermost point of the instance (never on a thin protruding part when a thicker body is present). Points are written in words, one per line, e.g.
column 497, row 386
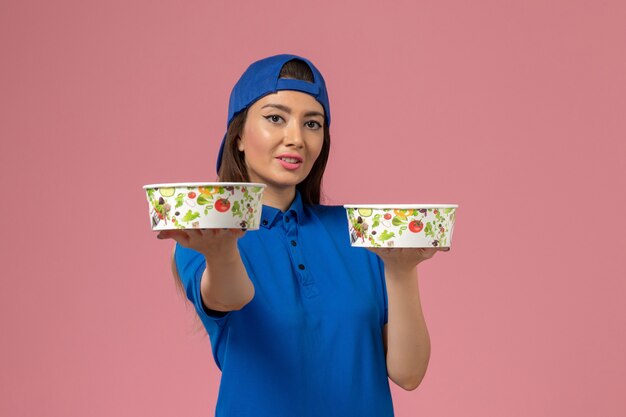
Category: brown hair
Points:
column 233, row 168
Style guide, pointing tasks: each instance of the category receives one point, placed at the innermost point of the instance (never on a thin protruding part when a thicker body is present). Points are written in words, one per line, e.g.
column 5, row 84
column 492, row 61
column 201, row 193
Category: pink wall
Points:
column 512, row 109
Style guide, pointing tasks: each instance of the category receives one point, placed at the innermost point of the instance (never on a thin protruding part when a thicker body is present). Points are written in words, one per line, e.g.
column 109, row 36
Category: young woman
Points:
column 301, row 323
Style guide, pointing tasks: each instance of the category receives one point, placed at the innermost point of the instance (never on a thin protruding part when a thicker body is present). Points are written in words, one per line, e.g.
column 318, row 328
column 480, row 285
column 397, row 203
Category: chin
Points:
column 283, row 182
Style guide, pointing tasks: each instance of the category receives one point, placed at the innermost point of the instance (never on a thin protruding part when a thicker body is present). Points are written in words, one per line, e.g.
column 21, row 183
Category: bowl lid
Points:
column 204, row 184
column 400, row 206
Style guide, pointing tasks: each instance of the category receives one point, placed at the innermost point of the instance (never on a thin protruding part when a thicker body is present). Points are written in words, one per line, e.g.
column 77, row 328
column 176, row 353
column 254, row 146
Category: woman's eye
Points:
column 314, row 125
column 273, row 118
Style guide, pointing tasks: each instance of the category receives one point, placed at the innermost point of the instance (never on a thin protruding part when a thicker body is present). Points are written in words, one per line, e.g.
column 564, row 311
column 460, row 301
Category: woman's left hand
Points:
column 405, row 258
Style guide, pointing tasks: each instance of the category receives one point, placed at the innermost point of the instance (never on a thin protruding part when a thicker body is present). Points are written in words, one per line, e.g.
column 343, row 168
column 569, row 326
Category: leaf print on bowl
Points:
column 386, row 235
column 413, row 226
column 205, row 205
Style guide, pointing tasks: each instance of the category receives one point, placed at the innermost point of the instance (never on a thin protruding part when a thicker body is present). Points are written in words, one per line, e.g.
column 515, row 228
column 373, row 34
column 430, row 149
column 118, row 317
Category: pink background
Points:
column 512, row 109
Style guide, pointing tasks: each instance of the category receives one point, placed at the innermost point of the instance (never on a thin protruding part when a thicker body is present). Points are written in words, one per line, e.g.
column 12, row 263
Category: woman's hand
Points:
column 212, row 243
column 403, row 259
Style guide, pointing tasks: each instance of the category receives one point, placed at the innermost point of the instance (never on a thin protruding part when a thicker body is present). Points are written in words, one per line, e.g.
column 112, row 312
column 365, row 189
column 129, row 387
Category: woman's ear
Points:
column 239, row 144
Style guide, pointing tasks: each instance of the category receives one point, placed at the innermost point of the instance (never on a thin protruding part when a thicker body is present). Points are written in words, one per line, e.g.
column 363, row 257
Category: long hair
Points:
column 233, row 168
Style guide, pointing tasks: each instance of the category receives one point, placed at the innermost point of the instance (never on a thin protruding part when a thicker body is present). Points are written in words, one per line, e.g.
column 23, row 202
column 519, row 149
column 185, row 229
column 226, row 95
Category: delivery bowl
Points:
column 205, row 205
column 401, row 225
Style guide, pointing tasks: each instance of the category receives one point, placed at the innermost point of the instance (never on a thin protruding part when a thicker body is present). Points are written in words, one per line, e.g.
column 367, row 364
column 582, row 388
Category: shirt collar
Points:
column 270, row 215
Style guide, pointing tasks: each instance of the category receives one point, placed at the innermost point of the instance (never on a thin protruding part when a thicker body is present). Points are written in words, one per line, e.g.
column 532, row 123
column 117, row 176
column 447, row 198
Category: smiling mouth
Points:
column 291, row 160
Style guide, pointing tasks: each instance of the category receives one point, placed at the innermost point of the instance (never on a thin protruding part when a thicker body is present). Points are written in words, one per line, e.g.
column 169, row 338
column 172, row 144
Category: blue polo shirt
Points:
column 310, row 342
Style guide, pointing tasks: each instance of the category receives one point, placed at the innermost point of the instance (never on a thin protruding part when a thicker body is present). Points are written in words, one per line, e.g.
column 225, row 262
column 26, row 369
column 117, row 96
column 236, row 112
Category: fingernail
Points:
column 446, row 249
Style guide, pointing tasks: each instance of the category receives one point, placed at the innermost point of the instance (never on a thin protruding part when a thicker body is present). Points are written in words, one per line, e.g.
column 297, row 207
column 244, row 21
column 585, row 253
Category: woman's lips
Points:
column 288, row 165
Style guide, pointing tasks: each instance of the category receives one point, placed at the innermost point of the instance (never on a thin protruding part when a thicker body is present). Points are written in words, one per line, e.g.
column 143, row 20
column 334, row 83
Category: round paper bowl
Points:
column 401, row 225
column 205, row 205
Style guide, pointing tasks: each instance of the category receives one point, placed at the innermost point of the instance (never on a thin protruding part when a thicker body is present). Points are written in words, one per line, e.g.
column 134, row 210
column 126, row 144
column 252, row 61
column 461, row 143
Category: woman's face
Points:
column 282, row 137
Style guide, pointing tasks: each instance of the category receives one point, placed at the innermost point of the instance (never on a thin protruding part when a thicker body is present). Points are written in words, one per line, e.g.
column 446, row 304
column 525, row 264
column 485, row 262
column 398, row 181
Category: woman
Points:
column 300, row 322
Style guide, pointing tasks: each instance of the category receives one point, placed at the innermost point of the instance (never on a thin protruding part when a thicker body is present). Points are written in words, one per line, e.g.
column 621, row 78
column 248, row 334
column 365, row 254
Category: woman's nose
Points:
column 293, row 134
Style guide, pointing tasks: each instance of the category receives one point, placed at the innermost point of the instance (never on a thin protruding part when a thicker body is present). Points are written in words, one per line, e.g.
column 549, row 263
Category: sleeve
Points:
column 190, row 265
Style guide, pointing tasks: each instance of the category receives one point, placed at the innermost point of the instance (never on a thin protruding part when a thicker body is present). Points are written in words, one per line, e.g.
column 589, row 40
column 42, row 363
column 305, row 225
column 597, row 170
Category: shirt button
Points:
column 301, row 266
column 293, row 243
column 264, row 222
column 287, row 219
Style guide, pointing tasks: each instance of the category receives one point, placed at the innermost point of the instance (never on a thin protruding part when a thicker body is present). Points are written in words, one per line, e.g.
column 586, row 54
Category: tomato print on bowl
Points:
column 205, row 205
column 401, row 225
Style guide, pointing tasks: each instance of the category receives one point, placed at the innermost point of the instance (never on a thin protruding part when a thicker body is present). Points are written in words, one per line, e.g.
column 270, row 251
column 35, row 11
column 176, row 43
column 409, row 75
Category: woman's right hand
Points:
column 212, row 243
